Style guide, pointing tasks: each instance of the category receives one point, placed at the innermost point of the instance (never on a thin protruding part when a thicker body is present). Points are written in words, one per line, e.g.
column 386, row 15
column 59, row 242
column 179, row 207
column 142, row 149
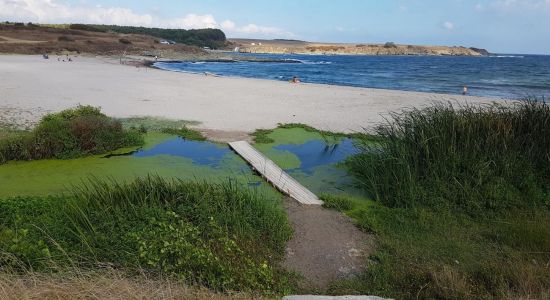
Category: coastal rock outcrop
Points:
column 390, row 48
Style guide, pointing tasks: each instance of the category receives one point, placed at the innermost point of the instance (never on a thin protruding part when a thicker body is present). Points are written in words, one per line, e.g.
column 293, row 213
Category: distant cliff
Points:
column 301, row 47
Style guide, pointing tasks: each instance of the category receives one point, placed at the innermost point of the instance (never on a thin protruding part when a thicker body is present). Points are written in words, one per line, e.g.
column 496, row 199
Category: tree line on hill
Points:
column 209, row 37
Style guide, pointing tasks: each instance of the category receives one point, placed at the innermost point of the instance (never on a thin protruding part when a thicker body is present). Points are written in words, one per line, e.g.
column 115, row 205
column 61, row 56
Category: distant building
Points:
column 253, row 44
column 237, row 49
column 165, row 42
column 206, row 48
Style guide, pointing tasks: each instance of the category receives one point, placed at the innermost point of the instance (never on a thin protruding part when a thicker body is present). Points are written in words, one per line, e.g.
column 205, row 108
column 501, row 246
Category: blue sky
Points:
column 505, row 26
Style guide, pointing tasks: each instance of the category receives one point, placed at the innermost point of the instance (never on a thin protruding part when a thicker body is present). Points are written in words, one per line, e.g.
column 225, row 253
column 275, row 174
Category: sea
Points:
column 498, row 76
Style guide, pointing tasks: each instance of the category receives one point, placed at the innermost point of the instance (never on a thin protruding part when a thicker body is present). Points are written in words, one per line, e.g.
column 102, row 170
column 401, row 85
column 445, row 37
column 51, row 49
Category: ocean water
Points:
column 498, row 76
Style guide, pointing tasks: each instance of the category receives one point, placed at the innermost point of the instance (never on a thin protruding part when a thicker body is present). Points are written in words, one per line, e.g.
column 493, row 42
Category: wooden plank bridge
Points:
column 274, row 174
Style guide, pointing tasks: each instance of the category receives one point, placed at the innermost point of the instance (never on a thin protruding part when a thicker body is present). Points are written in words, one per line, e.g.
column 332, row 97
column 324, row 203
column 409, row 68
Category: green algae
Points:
column 53, row 176
column 284, row 136
column 48, row 177
column 322, row 179
column 155, row 123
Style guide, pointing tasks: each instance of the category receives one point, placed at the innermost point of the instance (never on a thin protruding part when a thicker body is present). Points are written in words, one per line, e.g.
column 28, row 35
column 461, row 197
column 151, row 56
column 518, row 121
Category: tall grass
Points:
column 467, row 157
column 222, row 236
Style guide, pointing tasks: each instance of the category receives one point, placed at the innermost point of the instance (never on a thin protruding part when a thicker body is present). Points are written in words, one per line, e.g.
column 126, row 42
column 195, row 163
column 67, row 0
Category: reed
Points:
column 466, row 157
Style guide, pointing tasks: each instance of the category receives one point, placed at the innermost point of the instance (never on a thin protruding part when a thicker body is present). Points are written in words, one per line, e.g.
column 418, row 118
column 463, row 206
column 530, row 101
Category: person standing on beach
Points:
column 465, row 90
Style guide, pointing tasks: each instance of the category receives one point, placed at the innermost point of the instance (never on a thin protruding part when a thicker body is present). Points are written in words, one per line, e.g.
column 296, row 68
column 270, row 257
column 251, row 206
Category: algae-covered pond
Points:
column 303, row 154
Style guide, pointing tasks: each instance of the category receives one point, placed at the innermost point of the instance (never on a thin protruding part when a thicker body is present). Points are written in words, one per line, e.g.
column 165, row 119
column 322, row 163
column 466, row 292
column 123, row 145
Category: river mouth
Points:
column 314, row 162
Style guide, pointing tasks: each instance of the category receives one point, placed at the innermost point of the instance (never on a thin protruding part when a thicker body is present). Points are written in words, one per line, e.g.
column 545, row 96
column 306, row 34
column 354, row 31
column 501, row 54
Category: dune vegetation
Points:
column 460, row 203
column 220, row 236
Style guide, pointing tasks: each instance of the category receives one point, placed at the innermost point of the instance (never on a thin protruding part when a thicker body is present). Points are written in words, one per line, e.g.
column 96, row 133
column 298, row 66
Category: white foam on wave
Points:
column 507, row 56
column 308, row 62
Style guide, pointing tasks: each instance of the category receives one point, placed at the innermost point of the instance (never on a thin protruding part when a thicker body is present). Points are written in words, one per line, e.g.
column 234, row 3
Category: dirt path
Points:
column 326, row 245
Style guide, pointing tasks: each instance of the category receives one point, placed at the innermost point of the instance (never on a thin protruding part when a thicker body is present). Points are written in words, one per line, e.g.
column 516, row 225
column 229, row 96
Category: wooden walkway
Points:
column 275, row 175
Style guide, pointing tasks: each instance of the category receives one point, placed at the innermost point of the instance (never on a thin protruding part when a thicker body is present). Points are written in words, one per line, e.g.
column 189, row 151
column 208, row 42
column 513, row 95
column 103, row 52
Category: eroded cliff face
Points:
column 298, row 47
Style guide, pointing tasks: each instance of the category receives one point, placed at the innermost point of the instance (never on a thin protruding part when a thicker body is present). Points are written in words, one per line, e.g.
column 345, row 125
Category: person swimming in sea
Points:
column 295, row 79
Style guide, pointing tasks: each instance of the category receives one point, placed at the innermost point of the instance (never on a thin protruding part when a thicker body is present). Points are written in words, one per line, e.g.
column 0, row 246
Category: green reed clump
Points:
column 469, row 157
column 185, row 133
column 221, row 236
column 70, row 133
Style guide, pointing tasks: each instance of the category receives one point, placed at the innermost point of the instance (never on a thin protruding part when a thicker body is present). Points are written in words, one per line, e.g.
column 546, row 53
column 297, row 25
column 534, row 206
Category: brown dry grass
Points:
column 527, row 284
column 325, row 48
column 38, row 40
column 110, row 286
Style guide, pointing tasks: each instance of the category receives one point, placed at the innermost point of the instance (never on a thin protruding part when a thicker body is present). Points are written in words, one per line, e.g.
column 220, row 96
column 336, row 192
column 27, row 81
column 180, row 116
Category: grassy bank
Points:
column 221, row 236
column 104, row 285
column 461, row 204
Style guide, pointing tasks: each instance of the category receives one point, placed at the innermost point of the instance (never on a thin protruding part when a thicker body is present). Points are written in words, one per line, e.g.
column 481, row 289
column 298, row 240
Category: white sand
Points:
column 31, row 86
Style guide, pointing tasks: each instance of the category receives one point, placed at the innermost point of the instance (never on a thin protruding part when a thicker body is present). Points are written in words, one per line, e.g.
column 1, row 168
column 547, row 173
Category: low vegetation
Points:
column 68, row 134
column 221, row 236
column 108, row 284
column 461, row 204
column 261, row 136
column 213, row 38
column 185, row 133
column 71, row 39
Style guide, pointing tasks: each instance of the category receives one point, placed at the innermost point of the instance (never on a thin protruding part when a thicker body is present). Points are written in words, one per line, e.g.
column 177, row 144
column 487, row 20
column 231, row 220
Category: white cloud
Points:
column 44, row 11
column 518, row 5
column 261, row 31
column 55, row 11
column 193, row 21
column 448, row 25
column 228, row 25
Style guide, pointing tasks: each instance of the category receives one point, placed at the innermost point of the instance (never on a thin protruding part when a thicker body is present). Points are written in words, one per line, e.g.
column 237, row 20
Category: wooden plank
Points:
column 274, row 174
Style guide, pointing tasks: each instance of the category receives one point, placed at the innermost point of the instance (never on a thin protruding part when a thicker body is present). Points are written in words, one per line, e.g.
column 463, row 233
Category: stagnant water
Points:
column 308, row 159
column 319, row 168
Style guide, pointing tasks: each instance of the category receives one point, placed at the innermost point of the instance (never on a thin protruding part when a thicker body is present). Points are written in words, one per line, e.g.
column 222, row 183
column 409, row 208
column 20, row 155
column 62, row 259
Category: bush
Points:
column 125, row 41
column 472, row 157
column 65, row 38
column 85, row 27
column 68, row 134
column 390, row 45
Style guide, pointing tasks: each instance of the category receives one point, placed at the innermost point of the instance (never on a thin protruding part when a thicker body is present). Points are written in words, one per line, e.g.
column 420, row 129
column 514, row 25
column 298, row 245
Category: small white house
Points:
column 253, row 44
column 165, row 42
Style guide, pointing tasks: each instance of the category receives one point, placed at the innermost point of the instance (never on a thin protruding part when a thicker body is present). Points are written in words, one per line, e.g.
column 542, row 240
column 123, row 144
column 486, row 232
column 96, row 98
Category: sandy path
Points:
column 32, row 84
column 326, row 246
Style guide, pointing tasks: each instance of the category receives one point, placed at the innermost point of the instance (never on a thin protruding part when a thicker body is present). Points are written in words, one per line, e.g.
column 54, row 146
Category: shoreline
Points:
column 35, row 86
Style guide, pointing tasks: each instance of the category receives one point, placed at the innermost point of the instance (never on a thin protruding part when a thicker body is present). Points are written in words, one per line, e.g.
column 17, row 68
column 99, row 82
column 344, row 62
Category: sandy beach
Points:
column 32, row 86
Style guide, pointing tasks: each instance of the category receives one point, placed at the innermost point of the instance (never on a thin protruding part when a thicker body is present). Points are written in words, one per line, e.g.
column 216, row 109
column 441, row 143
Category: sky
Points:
column 500, row 26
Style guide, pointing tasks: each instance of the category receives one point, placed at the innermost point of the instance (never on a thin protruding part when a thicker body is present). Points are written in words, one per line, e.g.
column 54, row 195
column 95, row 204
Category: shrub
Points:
column 85, row 27
column 125, row 41
column 390, row 45
column 472, row 157
column 65, row 38
column 71, row 133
